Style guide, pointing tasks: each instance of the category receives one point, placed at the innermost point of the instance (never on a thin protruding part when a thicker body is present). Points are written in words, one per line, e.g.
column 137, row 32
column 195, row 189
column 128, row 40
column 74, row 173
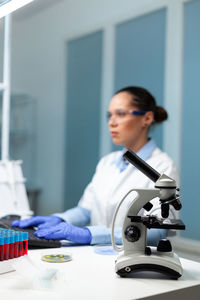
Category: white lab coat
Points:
column 109, row 185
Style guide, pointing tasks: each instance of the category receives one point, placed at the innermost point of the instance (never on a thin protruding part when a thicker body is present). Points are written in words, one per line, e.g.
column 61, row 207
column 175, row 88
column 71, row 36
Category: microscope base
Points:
column 161, row 262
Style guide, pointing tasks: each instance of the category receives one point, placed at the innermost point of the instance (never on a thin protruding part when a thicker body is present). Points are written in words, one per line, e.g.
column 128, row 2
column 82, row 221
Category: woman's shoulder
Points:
column 161, row 156
column 163, row 163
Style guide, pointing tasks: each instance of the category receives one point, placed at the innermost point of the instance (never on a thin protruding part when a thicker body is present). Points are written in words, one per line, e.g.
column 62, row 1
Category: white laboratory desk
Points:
column 92, row 276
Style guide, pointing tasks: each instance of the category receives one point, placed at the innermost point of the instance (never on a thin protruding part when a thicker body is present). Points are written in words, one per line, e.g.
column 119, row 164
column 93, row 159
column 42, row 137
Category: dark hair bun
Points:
column 160, row 114
column 144, row 100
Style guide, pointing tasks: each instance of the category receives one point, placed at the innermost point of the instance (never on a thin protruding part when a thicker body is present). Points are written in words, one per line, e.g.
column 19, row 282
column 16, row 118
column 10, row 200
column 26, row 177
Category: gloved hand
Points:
column 40, row 221
column 65, row 231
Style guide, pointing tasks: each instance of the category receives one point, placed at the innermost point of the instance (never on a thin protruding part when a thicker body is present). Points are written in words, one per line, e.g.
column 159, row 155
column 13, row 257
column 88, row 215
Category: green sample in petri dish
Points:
column 56, row 258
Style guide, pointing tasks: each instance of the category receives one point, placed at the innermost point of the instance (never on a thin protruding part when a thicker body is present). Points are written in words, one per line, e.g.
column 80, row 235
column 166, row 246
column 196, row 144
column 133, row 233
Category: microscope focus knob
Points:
column 132, row 233
column 164, row 246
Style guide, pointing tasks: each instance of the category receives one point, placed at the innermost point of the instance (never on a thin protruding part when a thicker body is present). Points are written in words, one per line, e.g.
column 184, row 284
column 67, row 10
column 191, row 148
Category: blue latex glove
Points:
column 64, row 231
column 40, row 221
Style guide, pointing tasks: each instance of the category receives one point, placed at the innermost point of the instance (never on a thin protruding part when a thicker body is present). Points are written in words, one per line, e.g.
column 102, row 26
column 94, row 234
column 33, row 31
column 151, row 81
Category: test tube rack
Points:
column 13, row 244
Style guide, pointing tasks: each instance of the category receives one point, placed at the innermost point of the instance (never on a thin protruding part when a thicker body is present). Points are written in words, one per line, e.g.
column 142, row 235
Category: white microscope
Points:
column 135, row 254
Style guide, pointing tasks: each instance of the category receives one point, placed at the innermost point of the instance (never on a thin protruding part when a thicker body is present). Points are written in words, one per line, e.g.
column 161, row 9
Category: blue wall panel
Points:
column 84, row 71
column 191, row 122
column 140, row 55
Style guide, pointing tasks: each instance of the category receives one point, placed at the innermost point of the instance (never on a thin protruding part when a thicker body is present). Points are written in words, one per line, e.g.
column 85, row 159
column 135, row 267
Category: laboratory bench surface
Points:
column 92, row 276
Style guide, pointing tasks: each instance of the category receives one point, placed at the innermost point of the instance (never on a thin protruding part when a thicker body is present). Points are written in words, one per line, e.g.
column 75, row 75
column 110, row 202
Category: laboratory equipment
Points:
column 13, row 244
column 135, row 255
column 35, row 275
column 13, row 198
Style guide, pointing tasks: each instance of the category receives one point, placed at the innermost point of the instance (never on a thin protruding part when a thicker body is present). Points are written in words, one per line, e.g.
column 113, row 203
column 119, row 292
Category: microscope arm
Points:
column 143, row 196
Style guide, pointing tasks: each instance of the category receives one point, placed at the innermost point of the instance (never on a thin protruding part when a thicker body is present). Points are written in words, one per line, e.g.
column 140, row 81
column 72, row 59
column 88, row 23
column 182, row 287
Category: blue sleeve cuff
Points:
column 102, row 235
column 77, row 216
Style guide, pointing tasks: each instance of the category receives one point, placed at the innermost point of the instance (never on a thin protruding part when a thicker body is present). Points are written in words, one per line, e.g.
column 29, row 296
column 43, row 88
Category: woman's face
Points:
column 125, row 128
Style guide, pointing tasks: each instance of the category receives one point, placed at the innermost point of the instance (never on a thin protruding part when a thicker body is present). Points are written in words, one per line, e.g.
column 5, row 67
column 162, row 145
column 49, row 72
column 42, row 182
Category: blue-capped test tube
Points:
column 1, row 248
column 25, row 243
column 11, row 245
column 16, row 244
column 20, row 248
column 6, row 246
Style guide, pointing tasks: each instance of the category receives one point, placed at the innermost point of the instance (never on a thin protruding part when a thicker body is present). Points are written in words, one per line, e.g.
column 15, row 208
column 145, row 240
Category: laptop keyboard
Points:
column 33, row 241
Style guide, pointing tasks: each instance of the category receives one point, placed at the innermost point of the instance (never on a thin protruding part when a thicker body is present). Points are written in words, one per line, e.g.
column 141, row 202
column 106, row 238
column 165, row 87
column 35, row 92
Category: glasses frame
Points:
column 130, row 111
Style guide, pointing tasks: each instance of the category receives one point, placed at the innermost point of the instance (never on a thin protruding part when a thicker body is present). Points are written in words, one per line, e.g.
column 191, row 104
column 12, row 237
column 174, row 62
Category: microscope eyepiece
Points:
column 141, row 165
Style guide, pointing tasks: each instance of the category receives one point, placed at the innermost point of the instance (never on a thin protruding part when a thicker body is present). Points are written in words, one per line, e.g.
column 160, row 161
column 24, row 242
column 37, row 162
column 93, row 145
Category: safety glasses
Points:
column 122, row 114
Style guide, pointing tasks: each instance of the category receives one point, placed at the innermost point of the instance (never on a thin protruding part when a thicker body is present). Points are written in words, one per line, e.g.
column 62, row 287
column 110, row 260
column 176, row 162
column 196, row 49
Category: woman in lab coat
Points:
column 132, row 111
